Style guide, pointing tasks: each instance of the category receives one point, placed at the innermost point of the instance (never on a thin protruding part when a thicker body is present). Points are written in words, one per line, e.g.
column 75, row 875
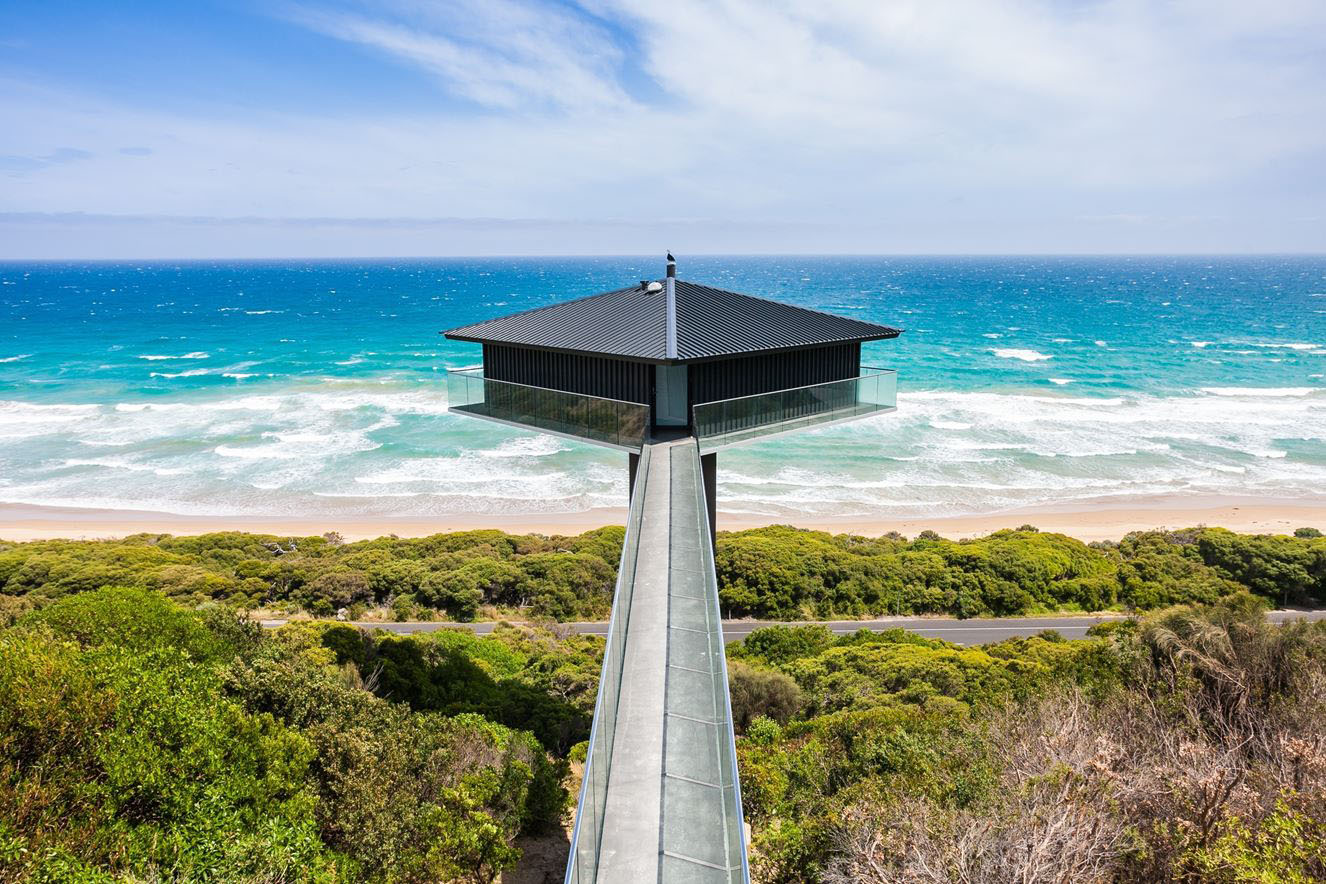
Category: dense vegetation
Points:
column 769, row 573
column 1189, row 747
column 560, row 578
column 145, row 741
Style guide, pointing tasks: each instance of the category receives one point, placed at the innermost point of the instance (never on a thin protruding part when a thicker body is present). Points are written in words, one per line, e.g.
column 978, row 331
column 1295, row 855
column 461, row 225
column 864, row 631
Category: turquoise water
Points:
column 317, row 388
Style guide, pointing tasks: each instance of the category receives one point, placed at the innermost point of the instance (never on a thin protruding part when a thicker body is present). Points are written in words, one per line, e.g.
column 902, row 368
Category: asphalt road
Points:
column 963, row 632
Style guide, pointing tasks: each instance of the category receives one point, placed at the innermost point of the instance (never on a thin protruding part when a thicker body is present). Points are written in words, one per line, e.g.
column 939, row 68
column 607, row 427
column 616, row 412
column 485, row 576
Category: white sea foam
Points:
column 17, row 358
column 528, row 446
column 1060, row 381
column 111, row 463
column 191, row 373
column 197, row 354
column 20, row 420
column 1024, row 355
column 1201, row 345
column 308, row 448
column 1293, row 346
column 1274, row 392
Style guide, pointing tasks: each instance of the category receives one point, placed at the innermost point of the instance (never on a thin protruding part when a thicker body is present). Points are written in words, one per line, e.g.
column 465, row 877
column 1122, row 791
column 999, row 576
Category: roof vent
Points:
column 654, row 288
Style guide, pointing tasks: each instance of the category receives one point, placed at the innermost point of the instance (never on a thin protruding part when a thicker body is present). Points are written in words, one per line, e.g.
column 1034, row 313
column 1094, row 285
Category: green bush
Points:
column 757, row 693
column 144, row 741
column 779, row 572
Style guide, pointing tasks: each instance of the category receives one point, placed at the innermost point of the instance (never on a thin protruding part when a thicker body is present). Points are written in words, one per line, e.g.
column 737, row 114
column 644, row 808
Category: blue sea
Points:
column 317, row 388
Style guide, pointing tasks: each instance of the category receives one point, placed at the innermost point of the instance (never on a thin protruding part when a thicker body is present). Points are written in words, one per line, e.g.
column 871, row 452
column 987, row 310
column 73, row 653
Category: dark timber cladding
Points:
column 720, row 379
column 574, row 372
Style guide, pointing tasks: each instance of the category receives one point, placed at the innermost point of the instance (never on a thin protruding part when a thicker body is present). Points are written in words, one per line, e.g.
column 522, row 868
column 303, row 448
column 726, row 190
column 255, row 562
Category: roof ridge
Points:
column 620, row 291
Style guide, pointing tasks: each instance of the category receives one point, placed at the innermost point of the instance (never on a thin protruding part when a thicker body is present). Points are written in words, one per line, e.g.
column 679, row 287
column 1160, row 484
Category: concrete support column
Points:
column 709, row 469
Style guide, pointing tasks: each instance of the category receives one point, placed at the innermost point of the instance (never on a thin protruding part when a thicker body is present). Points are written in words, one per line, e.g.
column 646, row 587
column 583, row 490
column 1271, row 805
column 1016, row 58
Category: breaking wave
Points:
column 375, row 449
column 1024, row 355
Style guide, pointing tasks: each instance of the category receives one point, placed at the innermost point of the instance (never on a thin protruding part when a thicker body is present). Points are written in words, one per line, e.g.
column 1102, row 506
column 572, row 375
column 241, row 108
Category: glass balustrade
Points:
column 592, row 418
column 583, row 863
column 746, row 418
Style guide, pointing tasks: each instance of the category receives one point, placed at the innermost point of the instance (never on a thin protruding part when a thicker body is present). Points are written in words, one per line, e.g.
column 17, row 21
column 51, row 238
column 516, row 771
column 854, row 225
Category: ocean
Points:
column 317, row 388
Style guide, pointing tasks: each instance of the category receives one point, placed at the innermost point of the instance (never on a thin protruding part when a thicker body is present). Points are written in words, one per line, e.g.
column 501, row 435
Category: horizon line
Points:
column 494, row 256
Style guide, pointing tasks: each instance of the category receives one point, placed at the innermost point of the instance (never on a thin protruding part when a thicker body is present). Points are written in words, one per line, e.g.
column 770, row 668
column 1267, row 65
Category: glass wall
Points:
column 582, row 865
column 605, row 421
column 750, row 417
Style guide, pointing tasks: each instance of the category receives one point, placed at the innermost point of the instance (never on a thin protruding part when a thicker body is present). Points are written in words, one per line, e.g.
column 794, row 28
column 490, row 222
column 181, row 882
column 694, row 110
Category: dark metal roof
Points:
column 632, row 323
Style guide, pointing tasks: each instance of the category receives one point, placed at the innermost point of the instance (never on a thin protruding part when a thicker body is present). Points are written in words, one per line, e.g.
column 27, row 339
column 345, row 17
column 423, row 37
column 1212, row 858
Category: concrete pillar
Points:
column 709, row 469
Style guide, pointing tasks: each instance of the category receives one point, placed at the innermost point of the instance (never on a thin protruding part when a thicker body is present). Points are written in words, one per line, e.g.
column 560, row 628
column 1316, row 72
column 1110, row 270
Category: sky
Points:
column 367, row 128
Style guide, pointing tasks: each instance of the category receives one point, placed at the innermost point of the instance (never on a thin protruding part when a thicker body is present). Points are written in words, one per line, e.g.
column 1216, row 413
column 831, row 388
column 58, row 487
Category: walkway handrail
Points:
column 599, row 751
column 711, row 580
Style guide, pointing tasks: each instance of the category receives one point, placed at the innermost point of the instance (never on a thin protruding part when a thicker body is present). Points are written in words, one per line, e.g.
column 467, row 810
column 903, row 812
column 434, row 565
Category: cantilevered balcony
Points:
column 609, row 422
column 748, row 418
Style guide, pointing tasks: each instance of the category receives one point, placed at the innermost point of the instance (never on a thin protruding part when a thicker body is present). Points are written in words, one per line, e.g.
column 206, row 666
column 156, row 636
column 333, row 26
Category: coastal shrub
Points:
column 776, row 645
column 1188, row 747
column 523, row 677
column 336, row 589
column 778, row 573
column 1286, row 570
column 144, row 740
column 140, row 740
column 759, row 693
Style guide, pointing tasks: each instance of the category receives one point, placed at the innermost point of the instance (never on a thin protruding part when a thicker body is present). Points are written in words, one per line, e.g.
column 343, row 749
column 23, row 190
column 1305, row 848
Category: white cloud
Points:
column 498, row 53
column 932, row 124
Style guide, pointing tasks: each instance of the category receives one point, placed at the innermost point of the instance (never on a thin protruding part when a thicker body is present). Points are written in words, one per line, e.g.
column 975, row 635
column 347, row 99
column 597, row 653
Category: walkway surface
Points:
column 661, row 800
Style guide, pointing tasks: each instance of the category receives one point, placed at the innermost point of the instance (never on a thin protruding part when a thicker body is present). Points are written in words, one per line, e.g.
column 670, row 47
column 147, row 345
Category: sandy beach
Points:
column 1103, row 520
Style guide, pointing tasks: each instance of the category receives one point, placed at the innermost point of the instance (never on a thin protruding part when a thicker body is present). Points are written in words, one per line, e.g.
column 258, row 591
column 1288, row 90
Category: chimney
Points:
column 671, row 288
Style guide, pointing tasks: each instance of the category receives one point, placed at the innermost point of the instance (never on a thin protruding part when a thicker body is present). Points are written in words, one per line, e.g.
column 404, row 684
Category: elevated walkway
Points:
column 661, row 800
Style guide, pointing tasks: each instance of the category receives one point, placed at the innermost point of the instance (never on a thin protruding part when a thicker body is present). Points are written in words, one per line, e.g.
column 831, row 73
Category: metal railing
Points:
column 703, row 838
column 582, row 864
column 611, row 422
column 745, row 418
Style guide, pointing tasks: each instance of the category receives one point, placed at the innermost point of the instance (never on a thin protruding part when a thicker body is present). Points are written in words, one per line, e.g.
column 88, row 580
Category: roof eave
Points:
column 663, row 360
column 628, row 357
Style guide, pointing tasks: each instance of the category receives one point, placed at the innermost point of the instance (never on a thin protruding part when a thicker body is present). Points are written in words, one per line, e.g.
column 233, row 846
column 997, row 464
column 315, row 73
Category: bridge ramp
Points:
column 661, row 799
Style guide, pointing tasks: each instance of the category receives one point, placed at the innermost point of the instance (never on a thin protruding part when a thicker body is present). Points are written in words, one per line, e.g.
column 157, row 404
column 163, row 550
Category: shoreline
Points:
column 1101, row 520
